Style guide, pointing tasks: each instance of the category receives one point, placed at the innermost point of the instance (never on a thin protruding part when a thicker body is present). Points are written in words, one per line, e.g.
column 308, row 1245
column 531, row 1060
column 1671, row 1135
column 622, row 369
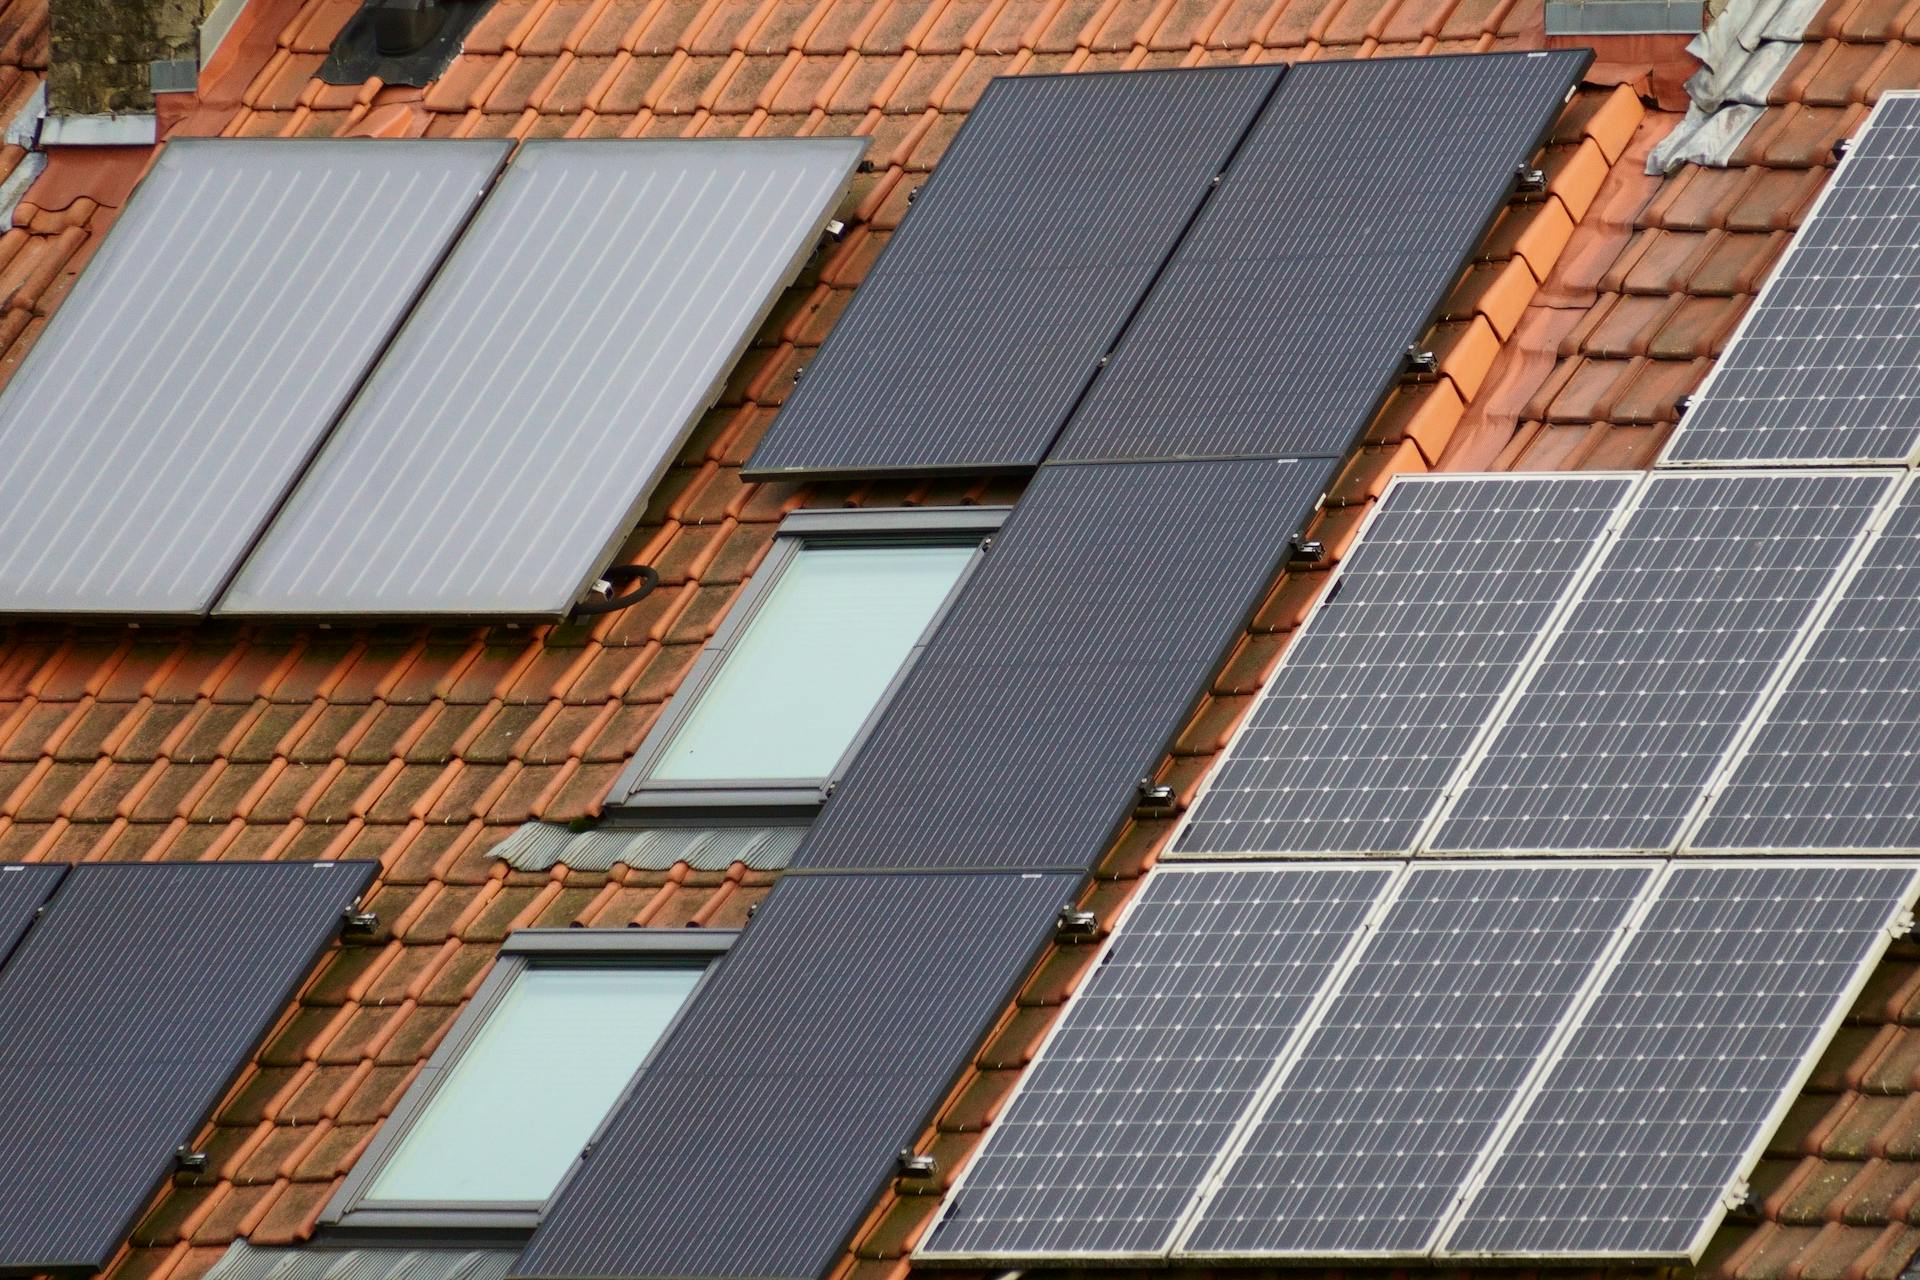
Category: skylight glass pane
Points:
column 522, row 1100
column 818, row 654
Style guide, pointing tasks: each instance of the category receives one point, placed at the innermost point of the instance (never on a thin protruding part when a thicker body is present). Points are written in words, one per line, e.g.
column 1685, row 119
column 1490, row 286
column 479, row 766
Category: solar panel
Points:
column 1691, row 1051
column 508, row 443
column 1833, row 764
column 180, row 390
column 22, row 891
column 977, row 329
column 1674, row 640
column 124, row 1014
column 1343, row 222
column 800, row 1011
column 1064, row 666
column 1130, row 1102
column 1825, row 366
column 1365, row 1144
column 1385, row 689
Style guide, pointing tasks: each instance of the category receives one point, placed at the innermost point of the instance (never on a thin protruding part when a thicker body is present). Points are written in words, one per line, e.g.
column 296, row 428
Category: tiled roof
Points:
column 1591, row 311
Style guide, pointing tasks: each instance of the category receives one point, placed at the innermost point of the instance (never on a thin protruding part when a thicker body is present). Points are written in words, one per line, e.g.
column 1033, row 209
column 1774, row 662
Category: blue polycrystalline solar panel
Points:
column 1673, row 641
column 22, row 890
column 1046, row 220
column 1065, row 665
column 1161, row 1051
column 1338, row 232
column 1387, row 686
column 1660, row 1099
column 1377, row 1123
column 802, row 1011
column 178, row 393
column 1826, row 364
column 124, row 1014
column 1835, row 763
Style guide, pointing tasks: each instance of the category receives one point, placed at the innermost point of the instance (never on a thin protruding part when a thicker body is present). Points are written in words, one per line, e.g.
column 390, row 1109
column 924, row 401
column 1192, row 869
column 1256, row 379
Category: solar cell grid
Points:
column 1675, row 638
column 1342, row 223
column 1826, row 365
column 1726, row 990
column 989, row 310
column 1436, row 1027
column 1835, row 761
column 1387, row 686
column 1160, row 1052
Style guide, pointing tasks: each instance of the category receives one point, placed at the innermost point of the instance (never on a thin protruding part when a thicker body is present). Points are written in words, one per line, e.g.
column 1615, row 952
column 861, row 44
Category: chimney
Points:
column 110, row 57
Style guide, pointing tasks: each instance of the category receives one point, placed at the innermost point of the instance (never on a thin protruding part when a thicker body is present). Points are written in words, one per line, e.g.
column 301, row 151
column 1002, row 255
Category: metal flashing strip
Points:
column 509, row 440
column 541, row 846
column 181, row 389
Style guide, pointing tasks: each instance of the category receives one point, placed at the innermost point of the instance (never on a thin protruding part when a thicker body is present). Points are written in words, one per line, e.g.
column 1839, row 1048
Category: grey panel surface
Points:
column 1064, row 666
column 1711, row 1015
column 510, row 439
column 1341, row 227
column 1365, row 1146
column 243, row 1261
column 1379, row 697
column 969, row 341
column 801, row 1011
column 124, row 1015
column 1675, row 638
column 203, row 354
column 1833, row 765
column 22, row 890
column 1826, row 366
column 1161, row 1051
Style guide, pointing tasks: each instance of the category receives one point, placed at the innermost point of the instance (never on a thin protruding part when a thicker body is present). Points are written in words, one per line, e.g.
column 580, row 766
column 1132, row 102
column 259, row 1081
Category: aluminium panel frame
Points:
column 1283, row 1068
column 1336, row 978
column 1802, row 639
column 1172, row 853
column 1665, row 460
column 349, row 1219
column 636, row 795
column 1898, row 924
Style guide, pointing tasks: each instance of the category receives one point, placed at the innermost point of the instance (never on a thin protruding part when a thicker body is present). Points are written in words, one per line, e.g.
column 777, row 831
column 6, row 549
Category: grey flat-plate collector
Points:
column 802, row 1012
column 509, row 441
column 1685, row 1060
column 969, row 341
column 180, row 390
column 1679, row 632
column 1131, row 1100
column 1833, row 764
column 1404, row 660
column 1282, row 318
column 1826, row 365
column 124, row 1014
column 1057, row 677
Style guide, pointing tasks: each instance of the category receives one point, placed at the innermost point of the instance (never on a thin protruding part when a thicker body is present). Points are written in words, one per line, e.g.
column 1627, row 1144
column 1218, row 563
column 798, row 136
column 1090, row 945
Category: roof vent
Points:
column 404, row 42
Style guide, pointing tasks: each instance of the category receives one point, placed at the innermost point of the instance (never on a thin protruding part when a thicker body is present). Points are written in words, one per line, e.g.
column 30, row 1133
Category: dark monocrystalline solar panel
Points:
column 124, row 1015
column 1382, row 693
column 848, row 1008
column 22, row 890
column 1713, row 1013
column 1341, row 226
column 1160, row 1053
column 1826, row 366
column 1065, row 665
column 1834, row 764
column 1673, row 642
column 181, row 389
column 1365, row 1146
column 1047, row 218
column 514, row 431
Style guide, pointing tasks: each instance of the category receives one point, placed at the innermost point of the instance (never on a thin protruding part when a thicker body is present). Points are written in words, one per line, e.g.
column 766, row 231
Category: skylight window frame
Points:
column 351, row 1218
column 636, row 795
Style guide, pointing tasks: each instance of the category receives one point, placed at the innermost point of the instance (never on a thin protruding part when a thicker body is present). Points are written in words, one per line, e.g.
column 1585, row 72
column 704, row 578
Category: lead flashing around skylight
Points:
column 1622, row 17
column 243, row 1261
column 541, row 846
column 1743, row 52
